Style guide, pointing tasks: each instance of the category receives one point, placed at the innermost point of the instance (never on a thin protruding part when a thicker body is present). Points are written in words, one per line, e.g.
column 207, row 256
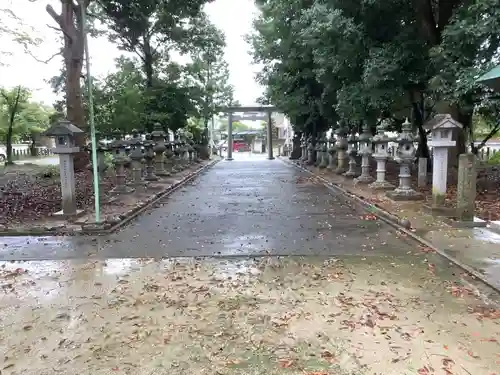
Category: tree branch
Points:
column 493, row 131
column 59, row 20
column 43, row 61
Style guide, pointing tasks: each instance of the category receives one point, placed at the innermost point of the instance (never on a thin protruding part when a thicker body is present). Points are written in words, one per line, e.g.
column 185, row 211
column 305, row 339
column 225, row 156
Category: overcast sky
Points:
column 234, row 17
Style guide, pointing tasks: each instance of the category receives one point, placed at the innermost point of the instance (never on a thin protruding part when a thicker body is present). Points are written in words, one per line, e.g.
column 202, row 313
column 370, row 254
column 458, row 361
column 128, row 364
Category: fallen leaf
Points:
column 287, row 363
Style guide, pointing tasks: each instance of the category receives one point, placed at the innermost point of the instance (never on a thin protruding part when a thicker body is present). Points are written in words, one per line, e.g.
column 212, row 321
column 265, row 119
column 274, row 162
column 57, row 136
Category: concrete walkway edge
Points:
column 394, row 221
column 151, row 201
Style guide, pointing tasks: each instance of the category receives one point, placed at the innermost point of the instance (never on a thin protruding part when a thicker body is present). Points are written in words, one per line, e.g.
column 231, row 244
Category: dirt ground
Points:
column 318, row 316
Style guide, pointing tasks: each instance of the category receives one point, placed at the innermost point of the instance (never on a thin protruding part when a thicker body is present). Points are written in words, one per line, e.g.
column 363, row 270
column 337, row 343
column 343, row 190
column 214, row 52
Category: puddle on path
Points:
column 390, row 315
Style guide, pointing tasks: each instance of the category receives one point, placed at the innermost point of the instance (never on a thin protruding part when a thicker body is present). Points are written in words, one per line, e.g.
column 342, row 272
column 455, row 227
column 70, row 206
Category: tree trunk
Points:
column 418, row 119
column 148, row 62
column 70, row 23
column 32, row 147
column 8, row 145
column 13, row 107
column 75, row 110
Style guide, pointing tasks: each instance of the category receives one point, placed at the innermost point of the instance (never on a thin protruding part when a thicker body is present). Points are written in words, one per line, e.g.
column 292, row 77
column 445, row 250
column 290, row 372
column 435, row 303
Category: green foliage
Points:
column 30, row 119
column 170, row 105
column 150, row 28
column 365, row 60
column 494, row 159
column 237, row 126
column 119, row 99
column 20, row 118
column 207, row 76
column 196, row 129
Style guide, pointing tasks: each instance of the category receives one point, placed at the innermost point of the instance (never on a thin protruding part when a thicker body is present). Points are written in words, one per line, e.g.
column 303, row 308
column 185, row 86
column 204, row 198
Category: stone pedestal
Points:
column 317, row 152
column 422, row 172
column 137, row 174
column 404, row 191
column 341, row 148
column 441, row 127
column 296, row 148
column 439, row 176
column 136, row 155
column 149, row 156
column 121, row 186
column 66, row 170
column 352, row 152
column 381, row 183
column 332, row 160
column 466, row 187
column 324, row 152
column 304, row 150
column 310, row 152
column 405, row 155
column 65, row 133
column 381, row 155
column 365, row 152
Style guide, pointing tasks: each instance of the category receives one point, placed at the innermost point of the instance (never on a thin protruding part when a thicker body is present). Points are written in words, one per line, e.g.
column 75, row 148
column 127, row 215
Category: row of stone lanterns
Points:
column 348, row 147
column 149, row 159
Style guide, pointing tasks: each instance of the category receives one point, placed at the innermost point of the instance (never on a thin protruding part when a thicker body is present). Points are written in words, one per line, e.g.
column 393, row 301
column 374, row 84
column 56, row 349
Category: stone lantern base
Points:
column 404, row 195
column 381, row 185
column 61, row 215
column 364, row 179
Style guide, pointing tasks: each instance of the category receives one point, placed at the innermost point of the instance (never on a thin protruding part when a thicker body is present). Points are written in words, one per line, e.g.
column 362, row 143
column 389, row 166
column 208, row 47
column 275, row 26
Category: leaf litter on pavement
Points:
column 269, row 316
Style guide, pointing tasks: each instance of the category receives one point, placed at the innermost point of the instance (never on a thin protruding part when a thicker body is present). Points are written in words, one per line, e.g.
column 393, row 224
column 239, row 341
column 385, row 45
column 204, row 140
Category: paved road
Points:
column 249, row 206
column 50, row 160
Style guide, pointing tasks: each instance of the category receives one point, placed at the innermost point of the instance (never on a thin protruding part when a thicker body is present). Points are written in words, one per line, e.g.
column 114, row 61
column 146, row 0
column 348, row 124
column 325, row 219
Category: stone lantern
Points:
column 317, row 150
column 310, row 151
column 183, row 151
column 137, row 156
column 64, row 133
column 341, row 148
column 177, row 152
column 331, row 152
column 441, row 127
column 301, row 145
column 197, row 150
column 324, row 151
column 365, row 150
column 352, row 152
column 381, row 155
column 296, row 147
column 189, row 149
column 149, row 156
column 169, row 154
column 120, row 159
column 304, row 157
column 158, row 136
column 405, row 155
column 101, row 150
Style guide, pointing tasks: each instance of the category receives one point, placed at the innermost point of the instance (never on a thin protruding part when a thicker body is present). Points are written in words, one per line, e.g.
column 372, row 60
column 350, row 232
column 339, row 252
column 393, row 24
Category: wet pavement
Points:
column 479, row 248
column 356, row 297
column 249, row 206
column 273, row 315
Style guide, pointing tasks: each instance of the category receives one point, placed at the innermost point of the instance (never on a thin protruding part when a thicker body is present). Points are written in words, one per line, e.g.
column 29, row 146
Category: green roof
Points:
column 491, row 78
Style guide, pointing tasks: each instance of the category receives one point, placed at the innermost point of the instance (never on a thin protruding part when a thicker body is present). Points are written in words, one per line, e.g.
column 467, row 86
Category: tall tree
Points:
column 288, row 65
column 149, row 28
column 12, row 102
column 69, row 22
column 119, row 98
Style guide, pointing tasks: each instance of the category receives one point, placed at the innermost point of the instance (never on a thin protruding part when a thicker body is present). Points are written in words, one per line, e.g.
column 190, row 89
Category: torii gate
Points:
column 232, row 109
